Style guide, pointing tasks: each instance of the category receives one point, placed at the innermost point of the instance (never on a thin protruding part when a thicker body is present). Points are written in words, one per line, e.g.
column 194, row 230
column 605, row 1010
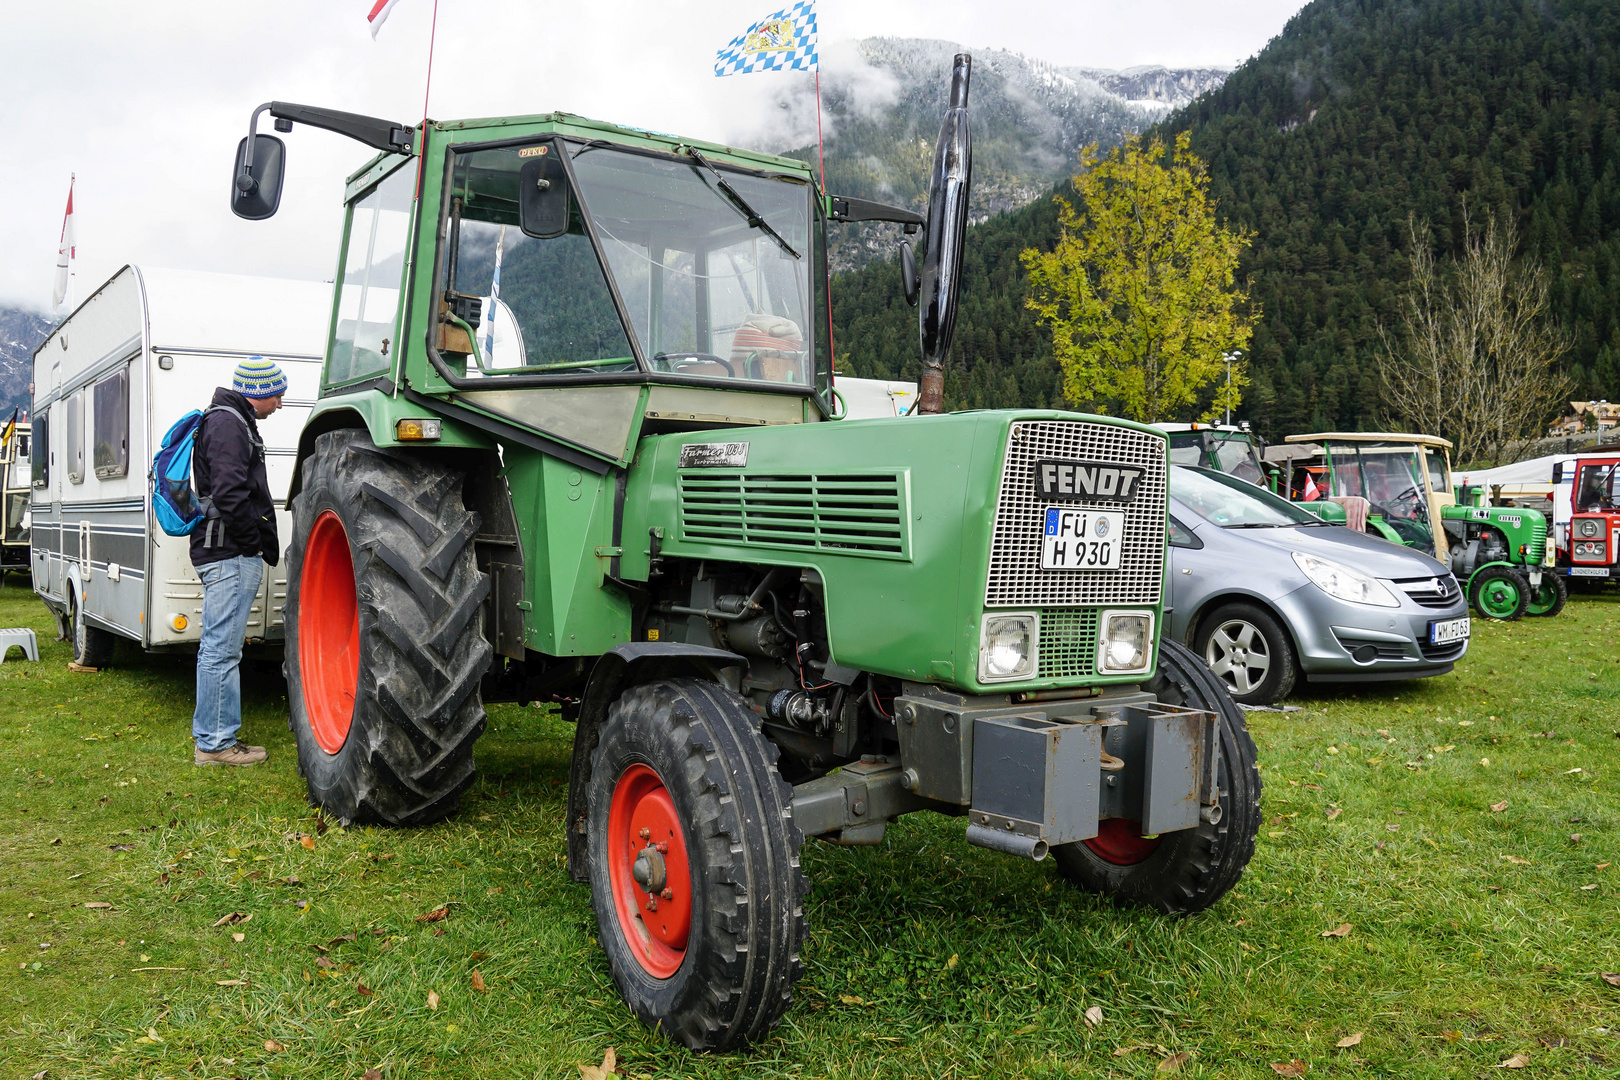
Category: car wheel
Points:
column 1250, row 652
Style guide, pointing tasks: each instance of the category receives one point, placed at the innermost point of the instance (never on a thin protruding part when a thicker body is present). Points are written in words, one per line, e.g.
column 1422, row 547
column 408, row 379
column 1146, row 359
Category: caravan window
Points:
column 40, row 450
column 112, row 424
column 74, row 450
column 366, row 339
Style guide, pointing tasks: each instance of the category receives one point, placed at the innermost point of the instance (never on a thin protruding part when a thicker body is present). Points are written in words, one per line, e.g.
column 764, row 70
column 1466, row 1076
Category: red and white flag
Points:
column 379, row 15
column 66, row 252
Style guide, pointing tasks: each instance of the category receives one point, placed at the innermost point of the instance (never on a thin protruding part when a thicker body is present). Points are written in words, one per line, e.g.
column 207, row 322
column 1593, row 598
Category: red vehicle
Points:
column 1586, row 517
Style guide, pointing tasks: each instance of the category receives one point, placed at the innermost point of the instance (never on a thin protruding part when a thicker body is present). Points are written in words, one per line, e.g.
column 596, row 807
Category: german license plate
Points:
column 1082, row 539
column 1589, row 571
column 1446, row 631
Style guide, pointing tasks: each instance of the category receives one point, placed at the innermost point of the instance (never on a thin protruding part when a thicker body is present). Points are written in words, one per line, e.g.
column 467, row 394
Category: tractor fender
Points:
column 377, row 411
column 616, row 671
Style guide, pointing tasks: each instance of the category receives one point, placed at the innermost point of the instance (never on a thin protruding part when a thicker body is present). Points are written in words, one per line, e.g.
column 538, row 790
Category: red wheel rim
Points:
column 1121, row 842
column 328, row 633
column 655, row 922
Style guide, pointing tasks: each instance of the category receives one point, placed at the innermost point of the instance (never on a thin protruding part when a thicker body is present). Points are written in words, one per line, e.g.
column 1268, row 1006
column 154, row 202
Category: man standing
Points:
column 229, row 549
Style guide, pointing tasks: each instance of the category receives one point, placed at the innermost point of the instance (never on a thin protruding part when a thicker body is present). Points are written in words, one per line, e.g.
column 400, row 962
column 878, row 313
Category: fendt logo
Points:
column 1095, row 481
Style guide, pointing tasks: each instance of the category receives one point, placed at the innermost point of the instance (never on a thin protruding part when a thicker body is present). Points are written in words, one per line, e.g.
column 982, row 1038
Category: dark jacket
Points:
column 228, row 467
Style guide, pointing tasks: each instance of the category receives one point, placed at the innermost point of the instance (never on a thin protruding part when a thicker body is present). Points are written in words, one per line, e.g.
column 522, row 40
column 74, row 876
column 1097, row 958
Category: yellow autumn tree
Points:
column 1140, row 291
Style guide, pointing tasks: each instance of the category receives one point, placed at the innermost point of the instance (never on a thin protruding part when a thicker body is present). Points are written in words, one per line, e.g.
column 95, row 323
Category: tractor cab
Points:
column 1406, row 480
column 1234, row 450
column 1586, row 517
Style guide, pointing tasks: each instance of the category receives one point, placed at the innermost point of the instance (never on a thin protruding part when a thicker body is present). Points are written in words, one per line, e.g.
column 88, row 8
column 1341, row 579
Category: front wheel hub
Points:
column 652, row 878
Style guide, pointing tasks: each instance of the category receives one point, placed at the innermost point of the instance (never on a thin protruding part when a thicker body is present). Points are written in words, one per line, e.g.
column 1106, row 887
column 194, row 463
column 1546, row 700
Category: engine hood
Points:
column 1369, row 554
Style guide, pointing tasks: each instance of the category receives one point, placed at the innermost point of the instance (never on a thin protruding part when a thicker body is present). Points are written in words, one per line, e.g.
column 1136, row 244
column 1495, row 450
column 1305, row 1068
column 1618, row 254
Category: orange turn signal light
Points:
column 425, row 430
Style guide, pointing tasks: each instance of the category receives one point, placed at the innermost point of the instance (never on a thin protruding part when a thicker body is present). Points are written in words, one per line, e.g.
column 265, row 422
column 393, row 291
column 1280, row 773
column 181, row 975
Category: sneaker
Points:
column 237, row 754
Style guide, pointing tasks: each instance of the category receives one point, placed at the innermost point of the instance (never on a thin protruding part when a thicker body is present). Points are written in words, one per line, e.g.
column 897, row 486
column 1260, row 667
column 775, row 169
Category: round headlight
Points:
column 1589, row 527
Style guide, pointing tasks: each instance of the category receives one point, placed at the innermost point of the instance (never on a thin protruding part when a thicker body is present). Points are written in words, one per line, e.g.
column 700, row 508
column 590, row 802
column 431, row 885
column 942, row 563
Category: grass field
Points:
column 1476, row 934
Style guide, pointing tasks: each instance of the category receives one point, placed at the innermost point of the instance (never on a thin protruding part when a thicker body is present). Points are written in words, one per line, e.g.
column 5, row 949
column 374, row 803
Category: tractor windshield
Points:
column 1389, row 475
column 1597, row 489
column 681, row 271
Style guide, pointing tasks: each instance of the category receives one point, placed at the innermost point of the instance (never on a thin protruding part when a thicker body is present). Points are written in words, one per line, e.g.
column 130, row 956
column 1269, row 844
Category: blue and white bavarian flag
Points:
column 785, row 41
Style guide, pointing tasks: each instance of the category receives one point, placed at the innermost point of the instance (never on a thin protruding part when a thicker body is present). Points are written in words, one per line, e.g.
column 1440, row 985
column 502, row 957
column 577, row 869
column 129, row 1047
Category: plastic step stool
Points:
column 20, row 636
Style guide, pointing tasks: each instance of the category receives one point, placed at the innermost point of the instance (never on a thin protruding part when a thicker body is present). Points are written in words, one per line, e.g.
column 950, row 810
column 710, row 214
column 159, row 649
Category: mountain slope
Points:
column 20, row 334
column 1360, row 112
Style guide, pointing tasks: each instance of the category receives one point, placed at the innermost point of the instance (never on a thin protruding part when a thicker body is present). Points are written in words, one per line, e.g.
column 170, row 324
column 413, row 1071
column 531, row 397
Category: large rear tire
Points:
column 1188, row 870
column 385, row 648
column 694, row 864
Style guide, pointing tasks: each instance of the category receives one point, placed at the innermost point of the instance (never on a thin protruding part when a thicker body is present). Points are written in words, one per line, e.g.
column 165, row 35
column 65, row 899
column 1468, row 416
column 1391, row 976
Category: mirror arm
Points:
column 847, row 208
column 244, row 173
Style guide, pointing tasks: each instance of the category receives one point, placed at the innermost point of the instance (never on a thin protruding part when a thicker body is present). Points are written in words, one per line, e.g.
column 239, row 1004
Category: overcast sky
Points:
column 145, row 102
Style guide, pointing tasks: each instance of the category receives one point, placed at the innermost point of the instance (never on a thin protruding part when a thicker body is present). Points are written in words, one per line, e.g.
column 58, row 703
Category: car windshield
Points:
column 1233, row 503
column 704, row 292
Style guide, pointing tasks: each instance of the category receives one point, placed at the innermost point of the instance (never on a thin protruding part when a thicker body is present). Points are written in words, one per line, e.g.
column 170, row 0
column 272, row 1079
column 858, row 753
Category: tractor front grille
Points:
column 852, row 513
column 1068, row 645
column 1538, row 541
column 1016, row 578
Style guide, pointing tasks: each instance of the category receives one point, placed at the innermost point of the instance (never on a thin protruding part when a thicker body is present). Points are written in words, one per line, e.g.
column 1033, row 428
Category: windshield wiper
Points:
column 1260, row 525
column 754, row 219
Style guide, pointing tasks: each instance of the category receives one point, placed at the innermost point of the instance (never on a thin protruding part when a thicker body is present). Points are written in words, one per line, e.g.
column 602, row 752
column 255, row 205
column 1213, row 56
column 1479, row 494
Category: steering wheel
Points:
column 676, row 360
column 1412, row 498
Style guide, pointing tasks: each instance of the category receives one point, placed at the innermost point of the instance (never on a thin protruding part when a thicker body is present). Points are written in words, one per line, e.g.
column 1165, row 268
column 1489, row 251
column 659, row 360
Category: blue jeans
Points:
column 229, row 589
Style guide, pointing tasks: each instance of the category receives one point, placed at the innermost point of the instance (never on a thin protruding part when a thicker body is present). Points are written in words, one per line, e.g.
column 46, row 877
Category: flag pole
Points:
column 427, row 91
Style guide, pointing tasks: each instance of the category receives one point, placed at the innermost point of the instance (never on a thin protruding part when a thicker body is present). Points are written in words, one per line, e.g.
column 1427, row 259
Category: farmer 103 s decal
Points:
column 611, row 474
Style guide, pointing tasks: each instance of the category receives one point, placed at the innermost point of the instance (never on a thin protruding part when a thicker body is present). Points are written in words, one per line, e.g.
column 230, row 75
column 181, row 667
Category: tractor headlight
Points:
column 1125, row 644
column 1343, row 583
column 1007, row 645
column 1588, row 527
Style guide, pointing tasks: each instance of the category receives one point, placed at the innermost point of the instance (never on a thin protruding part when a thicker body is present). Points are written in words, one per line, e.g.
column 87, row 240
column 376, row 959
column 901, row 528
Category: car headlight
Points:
column 1343, row 583
column 1007, row 647
column 1125, row 645
column 1589, row 527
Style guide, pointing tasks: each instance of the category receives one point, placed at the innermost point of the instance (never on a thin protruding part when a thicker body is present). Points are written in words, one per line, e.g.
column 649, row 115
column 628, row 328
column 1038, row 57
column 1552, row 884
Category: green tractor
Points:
column 1499, row 554
column 578, row 442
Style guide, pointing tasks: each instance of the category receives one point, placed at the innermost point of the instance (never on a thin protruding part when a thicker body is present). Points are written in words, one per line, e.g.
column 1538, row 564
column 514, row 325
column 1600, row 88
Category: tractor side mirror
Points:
column 908, row 273
column 941, row 278
column 1558, row 472
column 256, row 178
column 543, row 199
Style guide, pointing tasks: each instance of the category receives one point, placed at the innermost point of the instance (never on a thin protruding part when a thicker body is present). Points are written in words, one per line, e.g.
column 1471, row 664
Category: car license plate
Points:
column 1589, row 571
column 1082, row 539
column 1445, row 631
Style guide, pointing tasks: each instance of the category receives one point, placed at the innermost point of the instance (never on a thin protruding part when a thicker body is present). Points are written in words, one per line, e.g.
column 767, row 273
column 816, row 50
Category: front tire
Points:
column 1249, row 651
column 1187, row 870
column 694, row 864
column 385, row 648
column 1550, row 598
column 1499, row 592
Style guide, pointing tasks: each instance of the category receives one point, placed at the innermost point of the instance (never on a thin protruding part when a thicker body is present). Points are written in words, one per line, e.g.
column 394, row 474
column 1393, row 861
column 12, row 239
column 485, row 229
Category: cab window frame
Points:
column 402, row 305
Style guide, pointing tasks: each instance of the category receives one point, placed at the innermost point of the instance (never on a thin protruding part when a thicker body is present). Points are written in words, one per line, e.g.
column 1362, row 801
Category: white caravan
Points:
column 147, row 347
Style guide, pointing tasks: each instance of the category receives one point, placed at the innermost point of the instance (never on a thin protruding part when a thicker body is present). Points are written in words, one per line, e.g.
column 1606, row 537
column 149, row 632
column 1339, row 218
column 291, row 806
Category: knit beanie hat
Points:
column 257, row 377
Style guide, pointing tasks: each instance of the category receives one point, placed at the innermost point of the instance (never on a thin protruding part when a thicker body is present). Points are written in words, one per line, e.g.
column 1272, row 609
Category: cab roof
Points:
column 1371, row 436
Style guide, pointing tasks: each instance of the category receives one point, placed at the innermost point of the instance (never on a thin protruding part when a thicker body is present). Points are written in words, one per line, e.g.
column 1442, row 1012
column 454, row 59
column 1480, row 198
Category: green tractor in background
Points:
column 578, row 442
column 1499, row 554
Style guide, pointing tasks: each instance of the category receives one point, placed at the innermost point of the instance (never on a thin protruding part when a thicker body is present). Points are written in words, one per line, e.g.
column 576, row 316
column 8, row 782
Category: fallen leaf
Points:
column 372, row 1074
column 1122, row 1051
column 233, row 918
column 478, row 982
column 238, row 937
column 1517, row 1061
column 1333, row 813
column 433, row 1001
column 1498, row 807
column 320, row 824
column 1393, row 828
column 1611, row 977
column 1094, row 1016
column 323, row 962
column 131, row 847
column 851, row 999
column 1342, row 930
column 477, row 956
column 591, row 1072
column 230, row 982
column 1601, row 866
column 1516, row 861
column 1572, row 772
column 273, row 1046
column 1484, row 761
column 307, row 841
column 1174, row 1062
column 340, row 939
column 1295, row 1067
column 435, row 915
column 365, row 991
column 1574, row 837
column 102, row 904
column 1589, row 888
column 1348, row 1041
column 610, row 1062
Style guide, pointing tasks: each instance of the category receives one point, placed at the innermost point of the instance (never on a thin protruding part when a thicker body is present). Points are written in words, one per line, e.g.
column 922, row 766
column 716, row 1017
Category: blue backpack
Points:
column 179, row 511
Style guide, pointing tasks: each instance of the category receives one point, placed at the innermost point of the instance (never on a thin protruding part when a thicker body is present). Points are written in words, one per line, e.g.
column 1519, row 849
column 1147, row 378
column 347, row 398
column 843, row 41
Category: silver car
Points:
column 1265, row 592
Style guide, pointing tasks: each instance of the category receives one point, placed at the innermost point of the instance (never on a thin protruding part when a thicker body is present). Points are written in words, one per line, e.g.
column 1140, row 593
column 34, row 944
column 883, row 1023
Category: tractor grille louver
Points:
column 1538, row 541
column 1016, row 578
column 1068, row 645
column 852, row 513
